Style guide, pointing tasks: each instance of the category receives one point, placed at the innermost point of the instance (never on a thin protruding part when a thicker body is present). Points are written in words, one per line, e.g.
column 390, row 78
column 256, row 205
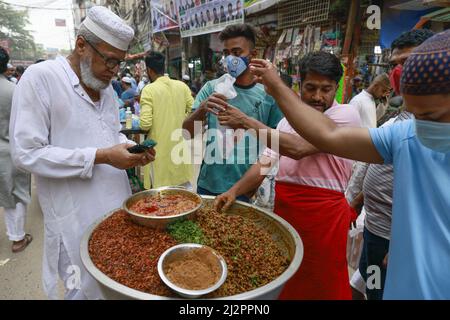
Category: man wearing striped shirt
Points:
column 376, row 187
column 310, row 186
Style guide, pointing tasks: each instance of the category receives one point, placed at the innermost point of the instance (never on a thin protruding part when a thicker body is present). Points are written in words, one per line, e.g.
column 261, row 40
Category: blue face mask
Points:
column 236, row 65
column 434, row 135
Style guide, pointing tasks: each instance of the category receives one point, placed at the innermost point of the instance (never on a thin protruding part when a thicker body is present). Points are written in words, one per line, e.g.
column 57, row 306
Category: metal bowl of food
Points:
column 192, row 270
column 157, row 208
column 281, row 232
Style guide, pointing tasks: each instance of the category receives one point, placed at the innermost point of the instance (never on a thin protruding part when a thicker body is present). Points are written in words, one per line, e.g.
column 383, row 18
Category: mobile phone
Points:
column 149, row 143
column 138, row 149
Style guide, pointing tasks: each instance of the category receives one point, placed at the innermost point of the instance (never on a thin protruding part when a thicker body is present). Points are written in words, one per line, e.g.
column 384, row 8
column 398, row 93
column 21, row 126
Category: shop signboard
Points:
column 198, row 17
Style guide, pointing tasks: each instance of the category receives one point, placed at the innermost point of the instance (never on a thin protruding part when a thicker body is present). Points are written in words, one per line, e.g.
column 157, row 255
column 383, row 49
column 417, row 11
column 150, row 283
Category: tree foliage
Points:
column 13, row 27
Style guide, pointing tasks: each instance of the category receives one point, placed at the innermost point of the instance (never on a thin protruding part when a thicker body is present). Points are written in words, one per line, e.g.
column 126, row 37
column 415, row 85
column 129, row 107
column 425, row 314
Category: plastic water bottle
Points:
column 128, row 119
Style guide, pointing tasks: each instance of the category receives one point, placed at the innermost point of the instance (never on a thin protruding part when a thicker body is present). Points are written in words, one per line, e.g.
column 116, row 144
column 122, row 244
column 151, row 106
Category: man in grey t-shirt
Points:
column 377, row 185
column 376, row 196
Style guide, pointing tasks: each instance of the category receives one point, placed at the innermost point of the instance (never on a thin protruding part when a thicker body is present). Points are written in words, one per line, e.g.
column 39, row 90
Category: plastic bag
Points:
column 355, row 242
column 265, row 195
column 224, row 86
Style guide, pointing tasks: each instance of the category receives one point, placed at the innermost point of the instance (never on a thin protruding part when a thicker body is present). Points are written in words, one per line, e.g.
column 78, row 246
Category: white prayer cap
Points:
column 9, row 66
column 186, row 77
column 109, row 27
column 127, row 80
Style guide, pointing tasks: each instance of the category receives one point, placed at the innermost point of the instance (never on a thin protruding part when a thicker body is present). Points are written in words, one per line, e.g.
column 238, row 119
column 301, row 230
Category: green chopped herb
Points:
column 254, row 280
column 186, row 231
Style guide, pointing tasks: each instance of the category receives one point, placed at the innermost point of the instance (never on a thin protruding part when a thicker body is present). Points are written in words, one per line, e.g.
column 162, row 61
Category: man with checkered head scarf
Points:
column 65, row 130
column 418, row 149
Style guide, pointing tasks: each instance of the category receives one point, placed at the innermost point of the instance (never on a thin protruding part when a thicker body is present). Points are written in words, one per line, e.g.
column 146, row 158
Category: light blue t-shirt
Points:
column 419, row 252
column 128, row 95
column 221, row 170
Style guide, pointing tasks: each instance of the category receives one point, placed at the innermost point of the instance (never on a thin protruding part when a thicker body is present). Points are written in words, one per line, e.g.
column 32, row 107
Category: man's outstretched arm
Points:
column 312, row 125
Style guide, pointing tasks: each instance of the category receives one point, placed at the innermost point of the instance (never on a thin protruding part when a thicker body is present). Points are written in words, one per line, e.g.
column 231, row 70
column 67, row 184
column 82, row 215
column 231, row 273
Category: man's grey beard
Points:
column 87, row 76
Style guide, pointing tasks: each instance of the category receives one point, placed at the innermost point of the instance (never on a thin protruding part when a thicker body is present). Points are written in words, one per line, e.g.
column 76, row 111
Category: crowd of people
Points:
column 12, row 73
column 317, row 163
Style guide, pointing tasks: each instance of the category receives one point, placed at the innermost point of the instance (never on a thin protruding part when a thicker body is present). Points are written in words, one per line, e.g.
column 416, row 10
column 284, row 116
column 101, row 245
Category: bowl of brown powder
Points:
column 192, row 270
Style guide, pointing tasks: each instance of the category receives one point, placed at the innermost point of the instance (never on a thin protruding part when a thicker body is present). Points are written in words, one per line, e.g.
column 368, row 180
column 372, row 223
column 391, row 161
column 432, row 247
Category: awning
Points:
column 394, row 21
column 442, row 15
column 415, row 5
column 260, row 5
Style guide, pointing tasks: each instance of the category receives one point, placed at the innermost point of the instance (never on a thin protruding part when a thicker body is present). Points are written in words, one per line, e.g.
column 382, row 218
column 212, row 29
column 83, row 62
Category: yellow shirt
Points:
column 165, row 104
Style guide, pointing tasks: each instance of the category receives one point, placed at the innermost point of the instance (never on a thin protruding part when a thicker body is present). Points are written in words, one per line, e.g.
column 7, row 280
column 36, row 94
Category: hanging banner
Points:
column 145, row 40
column 164, row 15
column 201, row 16
column 160, row 42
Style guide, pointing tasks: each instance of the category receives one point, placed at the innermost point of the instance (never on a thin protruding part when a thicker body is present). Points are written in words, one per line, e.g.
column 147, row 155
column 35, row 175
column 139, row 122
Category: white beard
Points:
column 87, row 76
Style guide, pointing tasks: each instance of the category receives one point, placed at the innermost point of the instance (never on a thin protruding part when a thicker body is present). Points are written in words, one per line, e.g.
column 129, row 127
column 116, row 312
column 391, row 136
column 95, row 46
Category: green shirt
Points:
column 219, row 170
column 340, row 91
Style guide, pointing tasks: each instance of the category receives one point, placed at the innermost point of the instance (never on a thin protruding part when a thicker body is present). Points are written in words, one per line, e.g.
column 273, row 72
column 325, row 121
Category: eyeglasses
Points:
column 111, row 63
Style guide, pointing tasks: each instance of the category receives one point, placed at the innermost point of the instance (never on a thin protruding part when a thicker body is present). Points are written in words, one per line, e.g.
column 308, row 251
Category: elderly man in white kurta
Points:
column 65, row 130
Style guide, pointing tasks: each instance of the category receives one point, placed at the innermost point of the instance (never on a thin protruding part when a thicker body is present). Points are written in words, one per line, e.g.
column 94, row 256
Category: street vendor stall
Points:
column 262, row 251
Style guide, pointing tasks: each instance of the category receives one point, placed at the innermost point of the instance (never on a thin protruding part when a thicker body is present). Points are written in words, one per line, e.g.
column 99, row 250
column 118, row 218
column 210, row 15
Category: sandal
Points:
column 19, row 246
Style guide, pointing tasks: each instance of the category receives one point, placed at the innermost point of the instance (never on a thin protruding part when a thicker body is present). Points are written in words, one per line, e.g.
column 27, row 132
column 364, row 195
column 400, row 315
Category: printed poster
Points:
column 198, row 17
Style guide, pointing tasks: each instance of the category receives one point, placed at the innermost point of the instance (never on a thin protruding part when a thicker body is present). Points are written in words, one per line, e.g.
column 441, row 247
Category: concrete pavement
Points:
column 20, row 277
